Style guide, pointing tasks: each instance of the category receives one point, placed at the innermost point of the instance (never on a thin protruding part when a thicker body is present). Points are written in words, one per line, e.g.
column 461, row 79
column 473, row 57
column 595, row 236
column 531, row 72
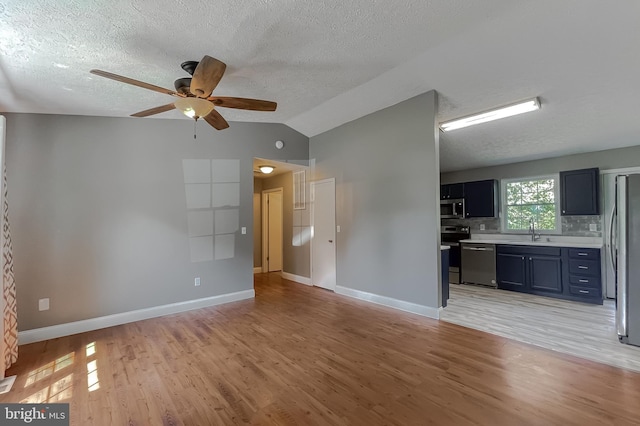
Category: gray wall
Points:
column 609, row 159
column 295, row 259
column 99, row 216
column 387, row 199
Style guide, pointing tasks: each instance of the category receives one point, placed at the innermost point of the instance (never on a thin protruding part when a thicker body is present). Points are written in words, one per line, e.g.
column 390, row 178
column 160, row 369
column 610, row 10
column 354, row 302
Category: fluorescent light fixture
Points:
column 494, row 114
column 266, row 169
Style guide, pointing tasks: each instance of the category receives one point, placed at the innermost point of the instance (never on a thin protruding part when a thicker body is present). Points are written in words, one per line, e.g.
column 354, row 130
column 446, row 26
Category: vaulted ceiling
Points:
column 329, row 62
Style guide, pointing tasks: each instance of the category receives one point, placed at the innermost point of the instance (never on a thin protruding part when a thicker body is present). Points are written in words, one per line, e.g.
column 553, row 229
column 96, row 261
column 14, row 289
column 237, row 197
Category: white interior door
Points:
column 275, row 231
column 272, row 230
column 323, row 244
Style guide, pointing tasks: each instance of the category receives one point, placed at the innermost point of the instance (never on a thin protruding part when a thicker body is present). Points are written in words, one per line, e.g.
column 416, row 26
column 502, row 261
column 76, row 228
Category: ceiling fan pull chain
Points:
column 194, row 127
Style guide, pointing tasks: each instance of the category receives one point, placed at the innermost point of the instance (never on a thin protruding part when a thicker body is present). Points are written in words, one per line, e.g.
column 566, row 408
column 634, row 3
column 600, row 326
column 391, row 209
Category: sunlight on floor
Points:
column 93, row 383
column 58, row 391
column 62, row 389
column 50, row 368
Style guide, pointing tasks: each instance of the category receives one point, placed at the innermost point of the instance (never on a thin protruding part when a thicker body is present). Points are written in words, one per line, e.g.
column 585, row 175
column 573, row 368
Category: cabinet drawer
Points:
column 584, row 291
column 585, row 281
column 584, row 267
column 529, row 250
column 588, row 254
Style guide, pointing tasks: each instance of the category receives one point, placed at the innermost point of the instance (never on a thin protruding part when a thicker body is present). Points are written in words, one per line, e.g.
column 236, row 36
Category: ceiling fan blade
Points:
column 133, row 82
column 156, row 110
column 206, row 76
column 243, row 103
column 216, row 120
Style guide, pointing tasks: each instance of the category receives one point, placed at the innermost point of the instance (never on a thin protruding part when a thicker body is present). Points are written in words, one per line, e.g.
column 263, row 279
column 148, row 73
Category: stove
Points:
column 451, row 235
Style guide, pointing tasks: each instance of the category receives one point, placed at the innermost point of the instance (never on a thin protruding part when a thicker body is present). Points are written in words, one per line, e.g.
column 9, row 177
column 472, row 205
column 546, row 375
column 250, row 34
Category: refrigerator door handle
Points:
column 621, row 271
column 611, row 237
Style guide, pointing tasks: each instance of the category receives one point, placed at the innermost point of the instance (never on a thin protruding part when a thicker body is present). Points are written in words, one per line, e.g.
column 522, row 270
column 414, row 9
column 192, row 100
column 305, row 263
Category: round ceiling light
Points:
column 266, row 169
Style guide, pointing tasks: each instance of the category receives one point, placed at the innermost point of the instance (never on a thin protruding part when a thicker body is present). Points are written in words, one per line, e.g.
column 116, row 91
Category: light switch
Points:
column 243, row 230
column 338, row 228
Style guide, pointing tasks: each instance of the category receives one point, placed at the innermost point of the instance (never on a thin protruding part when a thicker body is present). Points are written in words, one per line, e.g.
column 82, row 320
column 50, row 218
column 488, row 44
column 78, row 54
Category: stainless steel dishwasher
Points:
column 478, row 264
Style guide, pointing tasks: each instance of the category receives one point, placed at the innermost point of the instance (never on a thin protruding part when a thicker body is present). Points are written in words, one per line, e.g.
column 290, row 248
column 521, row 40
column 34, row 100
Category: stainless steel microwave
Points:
column 452, row 209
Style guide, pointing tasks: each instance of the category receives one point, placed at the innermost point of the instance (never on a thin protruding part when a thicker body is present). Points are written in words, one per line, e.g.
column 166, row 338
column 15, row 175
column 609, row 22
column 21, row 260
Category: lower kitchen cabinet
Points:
column 511, row 271
column 545, row 273
column 565, row 273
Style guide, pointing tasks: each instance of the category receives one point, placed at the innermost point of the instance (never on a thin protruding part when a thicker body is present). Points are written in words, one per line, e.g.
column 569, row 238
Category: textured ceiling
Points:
column 330, row 62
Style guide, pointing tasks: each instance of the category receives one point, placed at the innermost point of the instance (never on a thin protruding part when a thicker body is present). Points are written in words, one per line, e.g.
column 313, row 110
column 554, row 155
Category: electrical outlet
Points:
column 43, row 304
column 593, row 227
column 196, row 282
column 482, row 226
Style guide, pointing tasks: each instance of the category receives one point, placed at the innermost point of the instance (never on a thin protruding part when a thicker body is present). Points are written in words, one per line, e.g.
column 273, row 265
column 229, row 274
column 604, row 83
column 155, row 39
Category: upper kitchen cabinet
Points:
column 451, row 191
column 481, row 198
column 579, row 192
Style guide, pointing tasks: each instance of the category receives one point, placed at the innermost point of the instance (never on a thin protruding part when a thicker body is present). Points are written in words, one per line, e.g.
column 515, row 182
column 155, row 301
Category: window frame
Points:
column 556, row 196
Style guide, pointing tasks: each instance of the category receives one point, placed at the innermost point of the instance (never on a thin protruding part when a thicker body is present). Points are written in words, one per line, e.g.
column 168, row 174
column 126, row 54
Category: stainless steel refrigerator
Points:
column 626, row 251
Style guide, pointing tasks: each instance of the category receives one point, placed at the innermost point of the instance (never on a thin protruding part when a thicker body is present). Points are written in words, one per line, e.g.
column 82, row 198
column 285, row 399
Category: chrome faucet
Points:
column 532, row 230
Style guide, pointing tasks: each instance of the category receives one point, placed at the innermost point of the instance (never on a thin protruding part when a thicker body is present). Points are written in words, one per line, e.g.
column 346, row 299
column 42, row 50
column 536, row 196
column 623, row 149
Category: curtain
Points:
column 9, row 342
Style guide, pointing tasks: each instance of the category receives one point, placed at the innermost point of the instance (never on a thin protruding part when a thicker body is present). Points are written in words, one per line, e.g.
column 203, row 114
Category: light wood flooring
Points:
column 580, row 329
column 298, row 355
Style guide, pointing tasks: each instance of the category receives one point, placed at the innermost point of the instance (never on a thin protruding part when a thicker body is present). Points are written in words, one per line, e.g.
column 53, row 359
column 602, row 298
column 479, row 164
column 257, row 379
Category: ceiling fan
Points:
column 194, row 94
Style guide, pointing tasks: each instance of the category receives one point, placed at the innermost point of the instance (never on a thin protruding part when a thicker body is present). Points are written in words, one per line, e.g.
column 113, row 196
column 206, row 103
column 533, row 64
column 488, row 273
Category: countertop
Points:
column 444, row 247
column 536, row 243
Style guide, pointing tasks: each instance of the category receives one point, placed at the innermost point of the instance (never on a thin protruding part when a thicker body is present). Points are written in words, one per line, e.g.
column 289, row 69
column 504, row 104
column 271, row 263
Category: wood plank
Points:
column 299, row 355
column 580, row 329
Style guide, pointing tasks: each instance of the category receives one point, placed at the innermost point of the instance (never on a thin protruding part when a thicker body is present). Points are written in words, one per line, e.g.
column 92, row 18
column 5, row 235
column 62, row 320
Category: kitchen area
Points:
column 534, row 259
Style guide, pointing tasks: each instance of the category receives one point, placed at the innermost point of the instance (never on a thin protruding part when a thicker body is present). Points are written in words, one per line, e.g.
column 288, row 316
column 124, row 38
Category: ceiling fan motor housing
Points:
column 182, row 85
column 189, row 66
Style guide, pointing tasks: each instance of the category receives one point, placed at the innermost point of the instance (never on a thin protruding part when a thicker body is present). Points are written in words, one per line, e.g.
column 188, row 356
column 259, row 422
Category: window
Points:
column 530, row 198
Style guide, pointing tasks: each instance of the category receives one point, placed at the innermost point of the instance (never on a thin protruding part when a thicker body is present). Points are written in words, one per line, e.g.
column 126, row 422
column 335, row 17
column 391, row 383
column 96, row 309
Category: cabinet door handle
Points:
column 584, row 291
column 582, row 267
column 583, row 254
column 583, row 281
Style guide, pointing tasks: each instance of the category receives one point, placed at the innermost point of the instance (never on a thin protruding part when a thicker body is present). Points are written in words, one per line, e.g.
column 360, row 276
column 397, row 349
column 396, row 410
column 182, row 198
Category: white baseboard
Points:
column 296, row 278
column 257, row 270
column 414, row 308
column 67, row 329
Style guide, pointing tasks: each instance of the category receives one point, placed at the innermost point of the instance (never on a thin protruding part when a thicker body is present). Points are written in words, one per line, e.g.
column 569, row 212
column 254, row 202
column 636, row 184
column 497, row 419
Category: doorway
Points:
column 272, row 230
column 323, row 243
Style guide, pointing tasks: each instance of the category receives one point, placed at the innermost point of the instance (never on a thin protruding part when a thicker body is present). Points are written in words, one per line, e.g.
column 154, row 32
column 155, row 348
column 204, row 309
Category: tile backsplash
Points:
column 576, row 226
column 491, row 225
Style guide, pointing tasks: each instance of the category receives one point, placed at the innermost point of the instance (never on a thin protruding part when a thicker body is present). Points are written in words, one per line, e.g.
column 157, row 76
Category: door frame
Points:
column 265, row 226
column 335, row 246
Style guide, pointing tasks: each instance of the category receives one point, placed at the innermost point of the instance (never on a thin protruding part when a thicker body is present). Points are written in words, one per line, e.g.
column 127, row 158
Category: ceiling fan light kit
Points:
column 194, row 107
column 194, row 94
column 494, row 114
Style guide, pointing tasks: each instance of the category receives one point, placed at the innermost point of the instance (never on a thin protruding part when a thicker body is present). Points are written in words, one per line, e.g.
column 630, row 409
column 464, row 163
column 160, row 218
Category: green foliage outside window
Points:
column 531, row 199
